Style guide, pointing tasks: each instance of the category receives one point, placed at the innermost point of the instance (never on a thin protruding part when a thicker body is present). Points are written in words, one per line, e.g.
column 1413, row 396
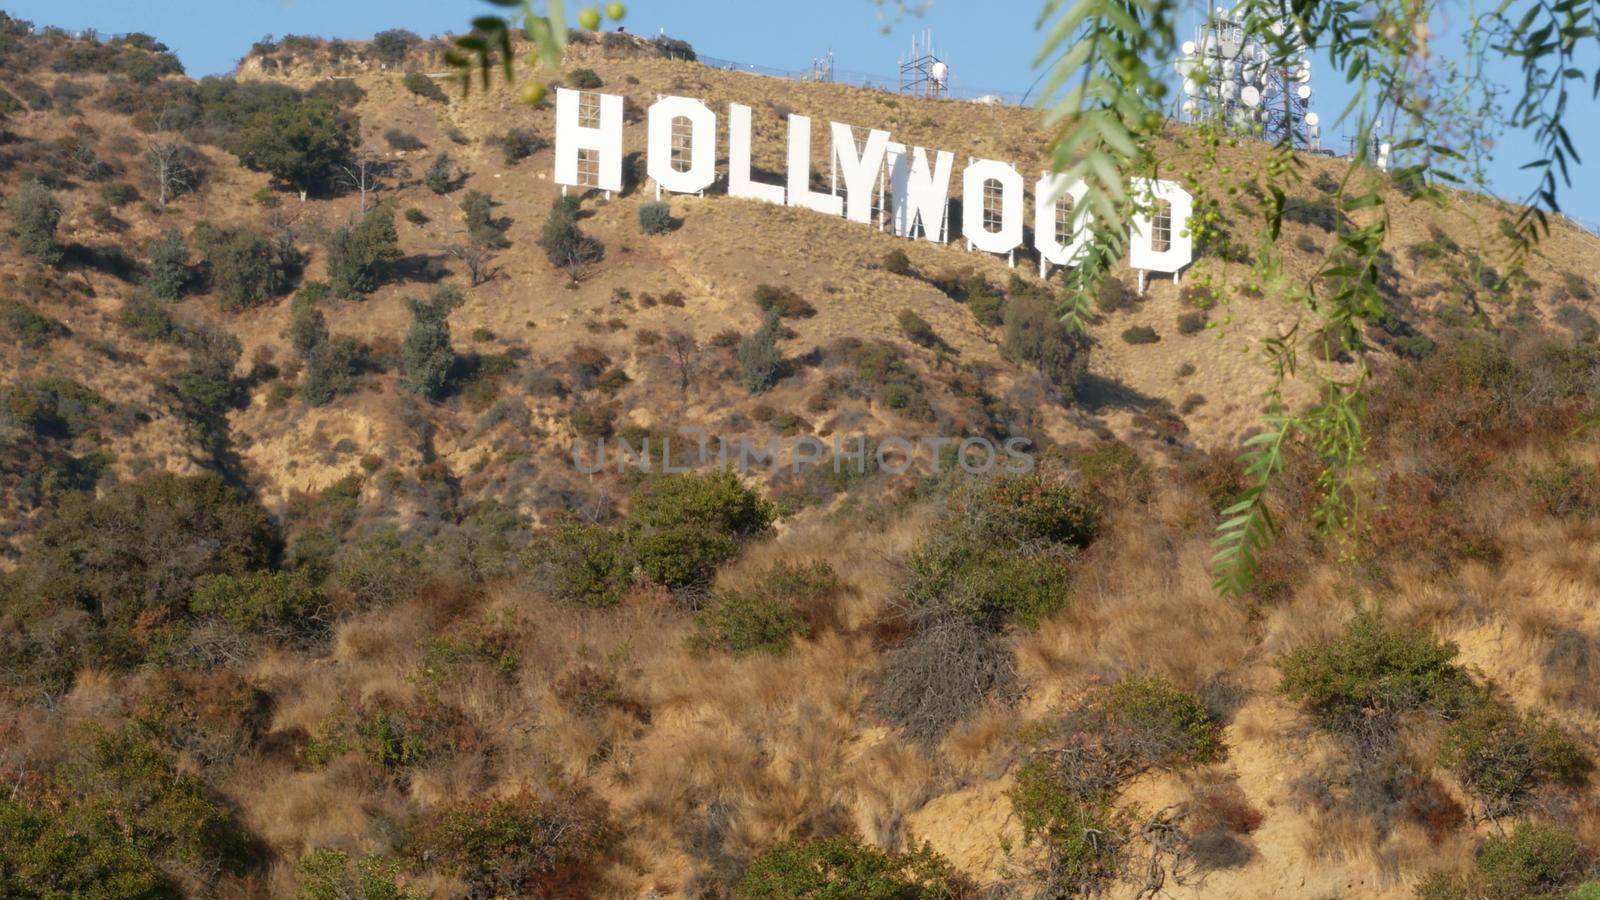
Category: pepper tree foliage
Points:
column 1103, row 102
column 1104, row 107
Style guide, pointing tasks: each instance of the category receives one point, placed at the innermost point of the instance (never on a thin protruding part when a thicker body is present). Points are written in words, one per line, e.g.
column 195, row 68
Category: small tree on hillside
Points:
column 683, row 350
column 440, row 177
column 167, row 275
column 35, row 213
column 427, row 358
column 391, row 47
column 329, row 364
column 358, row 255
column 301, row 144
column 760, row 362
column 564, row 244
column 243, row 266
column 308, row 328
column 482, row 228
column 1035, row 336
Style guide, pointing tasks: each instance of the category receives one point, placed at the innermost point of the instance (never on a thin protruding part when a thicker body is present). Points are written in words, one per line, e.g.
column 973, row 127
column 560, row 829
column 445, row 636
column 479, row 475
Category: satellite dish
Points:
column 939, row 72
column 1313, row 120
column 1303, row 74
column 1251, row 96
column 1189, row 48
column 1190, row 107
column 1190, row 88
column 1304, row 91
column 1229, row 90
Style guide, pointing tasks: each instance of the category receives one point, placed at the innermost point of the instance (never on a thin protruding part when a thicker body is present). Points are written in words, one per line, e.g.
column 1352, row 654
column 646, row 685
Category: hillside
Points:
column 303, row 588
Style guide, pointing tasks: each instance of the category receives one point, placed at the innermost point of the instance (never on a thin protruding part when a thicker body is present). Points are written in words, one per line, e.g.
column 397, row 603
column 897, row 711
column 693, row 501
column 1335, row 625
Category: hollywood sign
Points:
column 681, row 158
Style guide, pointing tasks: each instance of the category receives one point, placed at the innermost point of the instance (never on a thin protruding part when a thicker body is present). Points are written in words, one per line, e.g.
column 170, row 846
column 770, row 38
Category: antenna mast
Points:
column 924, row 73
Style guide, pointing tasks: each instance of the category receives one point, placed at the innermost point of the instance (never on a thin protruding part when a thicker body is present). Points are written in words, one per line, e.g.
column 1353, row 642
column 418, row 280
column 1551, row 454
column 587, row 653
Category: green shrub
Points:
column 1031, row 508
column 1035, row 336
column 1140, row 334
column 1501, row 756
column 142, row 546
column 119, row 194
column 1372, row 669
column 986, row 584
column 1191, row 322
column 683, row 557
column 330, row 364
column 584, row 79
column 403, row 141
column 916, row 329
column 440, row 176
column 655, row 218
column 844, row 867
column 717, row 501
column 27, row 326
column 564, row 244
column 359, row 255
column 169, row 815
column 149, row 320
column 1148, row 722
column 330, row 370
column 79, row 851
column 51, row 407
column 35, row 213
column 583, row 563
column 334, row 875
column 1113, row 295
column 740, row 623
column 427, row 357
column 261, row 602
column 518, row 144
column 241, row 266
column 1534, row 860
column 766, row 616
column 785, row 302
column 1080, row 837
column 482, row 228
column 167, row 274
column 520, row 846
column 425, row 87
column 895, row 262
column 760, row 361
column 682, row 527
column 416, row 216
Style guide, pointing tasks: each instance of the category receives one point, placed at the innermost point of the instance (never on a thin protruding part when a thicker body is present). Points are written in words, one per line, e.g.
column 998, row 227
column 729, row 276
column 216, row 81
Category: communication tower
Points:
column 924, row 74
column 822, row 68
column 1231, row 76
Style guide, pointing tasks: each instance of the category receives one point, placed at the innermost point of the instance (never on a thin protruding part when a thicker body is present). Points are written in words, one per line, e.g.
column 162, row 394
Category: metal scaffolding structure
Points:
column 923, row 73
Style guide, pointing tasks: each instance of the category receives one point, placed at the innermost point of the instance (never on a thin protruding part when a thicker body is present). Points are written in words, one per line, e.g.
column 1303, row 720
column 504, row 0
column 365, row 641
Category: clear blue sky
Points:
column 989, row 45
